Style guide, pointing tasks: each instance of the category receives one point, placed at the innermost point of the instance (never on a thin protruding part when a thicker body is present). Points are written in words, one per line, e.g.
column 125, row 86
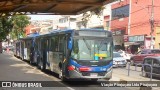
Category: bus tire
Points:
column 61, row 76
column 38, row 62
column 30, row 61
column 42, row 64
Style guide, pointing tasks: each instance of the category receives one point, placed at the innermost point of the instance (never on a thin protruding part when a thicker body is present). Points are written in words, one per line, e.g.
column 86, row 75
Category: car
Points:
column 11, row 48
column 155, row 62
column 127, row 56
column 139, row 57
column 118, row 60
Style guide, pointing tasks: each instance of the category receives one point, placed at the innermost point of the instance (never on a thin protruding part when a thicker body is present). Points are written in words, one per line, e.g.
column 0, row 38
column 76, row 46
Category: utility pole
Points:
column 152, row 25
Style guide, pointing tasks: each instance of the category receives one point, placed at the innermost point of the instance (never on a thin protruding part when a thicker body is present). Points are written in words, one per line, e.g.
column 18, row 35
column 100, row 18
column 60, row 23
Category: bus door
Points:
column 25, row 50
column 22, row 50
column 63, row 53
column 46, row 52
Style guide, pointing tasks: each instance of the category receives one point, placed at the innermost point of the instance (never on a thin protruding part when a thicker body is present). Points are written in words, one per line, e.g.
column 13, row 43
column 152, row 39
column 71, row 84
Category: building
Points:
column 28, row 29
column 130, row 22
column 39, row 26
column 64, row 22
column 91, row 21
column 107, row 16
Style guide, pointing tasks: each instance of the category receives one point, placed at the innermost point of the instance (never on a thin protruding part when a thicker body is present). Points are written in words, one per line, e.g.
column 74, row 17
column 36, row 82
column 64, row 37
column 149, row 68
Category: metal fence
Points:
column 150, row 73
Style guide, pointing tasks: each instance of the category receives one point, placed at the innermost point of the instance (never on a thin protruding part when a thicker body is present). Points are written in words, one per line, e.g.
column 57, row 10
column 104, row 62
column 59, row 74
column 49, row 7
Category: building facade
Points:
column 130, row 22
column 65, row 22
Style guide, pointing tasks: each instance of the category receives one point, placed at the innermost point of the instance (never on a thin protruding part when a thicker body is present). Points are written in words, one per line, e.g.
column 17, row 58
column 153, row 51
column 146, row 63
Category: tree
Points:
column 5, row 27
column 87, row 15
column 13, row 25
column 19, row 23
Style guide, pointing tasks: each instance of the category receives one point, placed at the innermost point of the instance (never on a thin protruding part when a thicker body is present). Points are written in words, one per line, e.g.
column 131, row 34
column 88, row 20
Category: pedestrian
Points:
column 7, row 50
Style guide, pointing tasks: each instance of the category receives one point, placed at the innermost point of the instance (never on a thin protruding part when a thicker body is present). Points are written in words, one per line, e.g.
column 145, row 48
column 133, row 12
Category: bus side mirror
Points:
column 70, row 43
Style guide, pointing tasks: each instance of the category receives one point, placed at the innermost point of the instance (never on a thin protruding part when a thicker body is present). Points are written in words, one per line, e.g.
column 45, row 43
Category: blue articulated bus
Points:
column 24, row 47
column 84, row 54
column 16, row 48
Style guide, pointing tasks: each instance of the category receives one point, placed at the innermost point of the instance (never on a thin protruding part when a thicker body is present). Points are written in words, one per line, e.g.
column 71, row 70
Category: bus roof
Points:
column 71, row 30
column 31, row 36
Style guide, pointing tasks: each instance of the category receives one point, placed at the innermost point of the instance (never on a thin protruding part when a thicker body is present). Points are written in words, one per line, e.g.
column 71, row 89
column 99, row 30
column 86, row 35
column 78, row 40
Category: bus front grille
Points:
column 88, row 73
column 90, row 63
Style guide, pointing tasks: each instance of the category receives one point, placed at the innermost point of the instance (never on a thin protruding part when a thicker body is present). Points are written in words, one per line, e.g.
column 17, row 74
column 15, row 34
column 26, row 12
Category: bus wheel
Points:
column 38, row 63
column 30, row 62
column 62, row 77
column 42, row 65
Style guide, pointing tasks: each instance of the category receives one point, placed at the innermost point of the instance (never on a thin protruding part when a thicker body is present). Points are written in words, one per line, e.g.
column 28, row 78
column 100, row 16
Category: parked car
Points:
column 127, row 56
column 155, row 62
column 139, row 57
column 11, row 48
column 118, row 60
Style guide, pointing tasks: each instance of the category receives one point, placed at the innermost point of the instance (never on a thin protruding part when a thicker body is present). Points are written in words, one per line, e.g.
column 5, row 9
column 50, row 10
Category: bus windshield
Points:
column 92, row 49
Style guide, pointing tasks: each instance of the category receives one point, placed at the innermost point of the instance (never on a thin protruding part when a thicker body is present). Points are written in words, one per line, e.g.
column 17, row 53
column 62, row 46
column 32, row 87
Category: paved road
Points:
column 13, row 69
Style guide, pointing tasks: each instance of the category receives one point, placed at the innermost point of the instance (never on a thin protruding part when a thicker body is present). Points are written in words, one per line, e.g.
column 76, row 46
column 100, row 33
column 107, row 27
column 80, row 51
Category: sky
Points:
column 42, row 17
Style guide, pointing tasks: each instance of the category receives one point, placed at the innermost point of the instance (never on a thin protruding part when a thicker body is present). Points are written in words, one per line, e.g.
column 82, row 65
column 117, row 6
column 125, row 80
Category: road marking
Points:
column 70, row 88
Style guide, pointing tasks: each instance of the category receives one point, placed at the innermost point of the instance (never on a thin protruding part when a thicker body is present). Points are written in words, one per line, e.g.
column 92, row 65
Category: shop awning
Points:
column 131, row 43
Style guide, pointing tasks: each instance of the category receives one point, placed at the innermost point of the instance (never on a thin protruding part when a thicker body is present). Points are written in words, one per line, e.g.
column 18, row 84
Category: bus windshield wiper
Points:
column 100, row 45
column 86, row 44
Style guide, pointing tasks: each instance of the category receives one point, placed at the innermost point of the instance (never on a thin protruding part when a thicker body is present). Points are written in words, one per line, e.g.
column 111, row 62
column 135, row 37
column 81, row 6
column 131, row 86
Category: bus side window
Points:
column 54, row 44
column 62, row 44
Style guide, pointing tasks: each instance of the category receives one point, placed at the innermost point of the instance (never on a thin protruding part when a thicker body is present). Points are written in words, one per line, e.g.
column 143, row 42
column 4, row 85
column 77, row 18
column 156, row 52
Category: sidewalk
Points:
column 10, row 52
column 122, row 75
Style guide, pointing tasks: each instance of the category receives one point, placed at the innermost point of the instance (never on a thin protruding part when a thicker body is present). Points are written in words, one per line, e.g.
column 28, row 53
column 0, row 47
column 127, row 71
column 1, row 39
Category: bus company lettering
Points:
column 19, row 84
column 128, row 84
column 115, row 85
column 34, row 85
column 14, row 84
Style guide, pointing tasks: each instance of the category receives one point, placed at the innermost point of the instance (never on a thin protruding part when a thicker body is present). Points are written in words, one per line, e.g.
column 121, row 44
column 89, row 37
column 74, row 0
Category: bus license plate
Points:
column 93, row 74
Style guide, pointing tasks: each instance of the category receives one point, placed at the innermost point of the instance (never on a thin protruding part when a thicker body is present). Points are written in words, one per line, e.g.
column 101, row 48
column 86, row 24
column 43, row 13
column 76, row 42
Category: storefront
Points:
column 137, row 42
column 132, row 43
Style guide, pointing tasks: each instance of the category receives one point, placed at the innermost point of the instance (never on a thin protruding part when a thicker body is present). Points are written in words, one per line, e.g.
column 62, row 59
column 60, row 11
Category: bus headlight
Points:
column 71, row 68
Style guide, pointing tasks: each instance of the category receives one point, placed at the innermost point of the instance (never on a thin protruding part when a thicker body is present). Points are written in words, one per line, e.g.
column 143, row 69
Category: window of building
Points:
column 72, row 19
column 63, row 20
column 120, row 12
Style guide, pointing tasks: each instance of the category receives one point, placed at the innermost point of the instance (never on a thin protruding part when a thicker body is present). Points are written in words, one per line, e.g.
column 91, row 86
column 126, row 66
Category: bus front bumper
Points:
column 77, row 75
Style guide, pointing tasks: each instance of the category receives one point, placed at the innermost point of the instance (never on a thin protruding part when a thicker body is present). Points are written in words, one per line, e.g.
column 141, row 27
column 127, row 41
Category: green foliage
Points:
column 14, row 25
column 19, row 23
column 5, row 27
column 98, row 11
